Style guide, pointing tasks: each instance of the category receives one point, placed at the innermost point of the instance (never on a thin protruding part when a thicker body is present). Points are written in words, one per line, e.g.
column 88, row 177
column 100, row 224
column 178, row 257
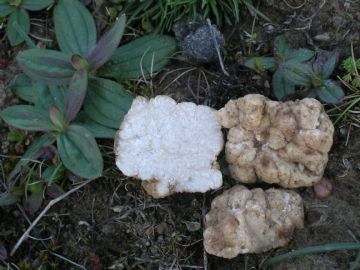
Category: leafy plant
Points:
column 77, row 147
column 315, row 77
column 284, row 59
column 91, row 107
column 292, row 67
column 31, row 188
column 347, row 110
column 352, row 66
column 17, row 10
column 161, row 15
column 79, row 50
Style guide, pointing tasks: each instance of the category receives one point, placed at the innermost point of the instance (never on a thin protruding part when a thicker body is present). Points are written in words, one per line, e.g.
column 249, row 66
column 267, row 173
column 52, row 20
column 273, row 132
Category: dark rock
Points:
column 196, row 40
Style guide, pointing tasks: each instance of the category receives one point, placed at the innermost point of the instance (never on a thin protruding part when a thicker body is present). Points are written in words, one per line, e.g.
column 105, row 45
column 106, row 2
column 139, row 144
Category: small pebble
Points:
column 323, row 188
column 322, row 37
column 192, row 226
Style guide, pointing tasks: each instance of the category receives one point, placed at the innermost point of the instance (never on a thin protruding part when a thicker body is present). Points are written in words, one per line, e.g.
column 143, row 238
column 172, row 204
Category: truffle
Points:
column 171, row 147
column 252, row 221
column 284, row 143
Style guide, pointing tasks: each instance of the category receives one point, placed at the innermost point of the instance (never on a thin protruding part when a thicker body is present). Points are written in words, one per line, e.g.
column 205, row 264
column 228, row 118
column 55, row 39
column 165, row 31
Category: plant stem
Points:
column 309, row 250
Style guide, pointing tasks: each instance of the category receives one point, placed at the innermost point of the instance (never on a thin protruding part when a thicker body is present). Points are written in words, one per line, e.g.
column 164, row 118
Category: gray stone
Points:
column 195, row 39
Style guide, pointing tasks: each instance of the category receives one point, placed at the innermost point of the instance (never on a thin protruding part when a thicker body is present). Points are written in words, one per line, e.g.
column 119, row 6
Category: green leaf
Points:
column 251, row 7
column 35, row 186
column 5, row 8
column 331, row 92
column 46, row 66
column 325, row 62
column 107, row 44
column 96, row 129
column 38, row 93
column 75, row 96
column 282, row 47
column 17, row 191
column 36, row 4
column 7, row 199
column 16, row 136
column 33, row 202
column 79, row 152
column 140, row 57
column 24, row 88
column 53, row 173
column 282, row 87
column 297, row 73
column 58, row 94
column 21, row 17
column 23, row 35
column 300, row 55
column 31, row 152
column 27, row 117
column 107, row 102
column 330, row 64
column 260, row 64
column 74, row 27
column 45, row 100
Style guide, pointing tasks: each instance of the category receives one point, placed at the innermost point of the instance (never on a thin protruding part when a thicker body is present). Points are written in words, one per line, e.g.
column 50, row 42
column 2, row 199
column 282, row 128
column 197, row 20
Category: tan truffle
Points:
column 285, row 143
column 251, row 221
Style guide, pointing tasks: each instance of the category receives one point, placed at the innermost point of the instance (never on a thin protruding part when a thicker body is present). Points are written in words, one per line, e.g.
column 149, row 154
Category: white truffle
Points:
column 171, row 147
column 252, row 221
column 284, row 143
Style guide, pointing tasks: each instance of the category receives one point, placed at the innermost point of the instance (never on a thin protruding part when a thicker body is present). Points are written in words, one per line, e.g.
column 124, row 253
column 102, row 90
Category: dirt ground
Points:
column 112, row 224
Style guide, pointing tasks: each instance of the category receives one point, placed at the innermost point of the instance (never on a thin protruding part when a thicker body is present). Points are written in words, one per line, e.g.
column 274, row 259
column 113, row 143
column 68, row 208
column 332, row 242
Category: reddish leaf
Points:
column 4, row 63
column 57, row 118
column 107, row 45
column 54, row 191
column 95, row 262
column 3, row 253
column 48, row 152
column 74, row 98
column 78, row 62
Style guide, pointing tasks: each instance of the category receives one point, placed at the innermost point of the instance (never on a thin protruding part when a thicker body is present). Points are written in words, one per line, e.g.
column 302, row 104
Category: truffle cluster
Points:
column 284, row 143
column 173, row 147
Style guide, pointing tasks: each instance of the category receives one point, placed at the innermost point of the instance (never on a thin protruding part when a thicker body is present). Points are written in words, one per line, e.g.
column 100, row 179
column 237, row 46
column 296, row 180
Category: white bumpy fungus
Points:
column 252, row 221
column 171, row 147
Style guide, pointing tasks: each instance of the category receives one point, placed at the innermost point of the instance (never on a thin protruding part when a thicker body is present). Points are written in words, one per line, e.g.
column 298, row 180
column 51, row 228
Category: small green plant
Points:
column 292, row 67
column 315, row 78
column 91, row 106
column 17, row 10
column 32, row 187
column 352, row 66
column 285, row 57
column 162, row 15
column 351, row 80
column 76, row 145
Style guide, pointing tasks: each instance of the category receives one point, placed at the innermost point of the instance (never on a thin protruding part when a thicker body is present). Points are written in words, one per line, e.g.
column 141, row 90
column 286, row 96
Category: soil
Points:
column 112, row 223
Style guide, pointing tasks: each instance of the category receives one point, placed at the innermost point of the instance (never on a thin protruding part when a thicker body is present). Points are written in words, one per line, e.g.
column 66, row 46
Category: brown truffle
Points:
column 285, row 143
column 251, row 221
